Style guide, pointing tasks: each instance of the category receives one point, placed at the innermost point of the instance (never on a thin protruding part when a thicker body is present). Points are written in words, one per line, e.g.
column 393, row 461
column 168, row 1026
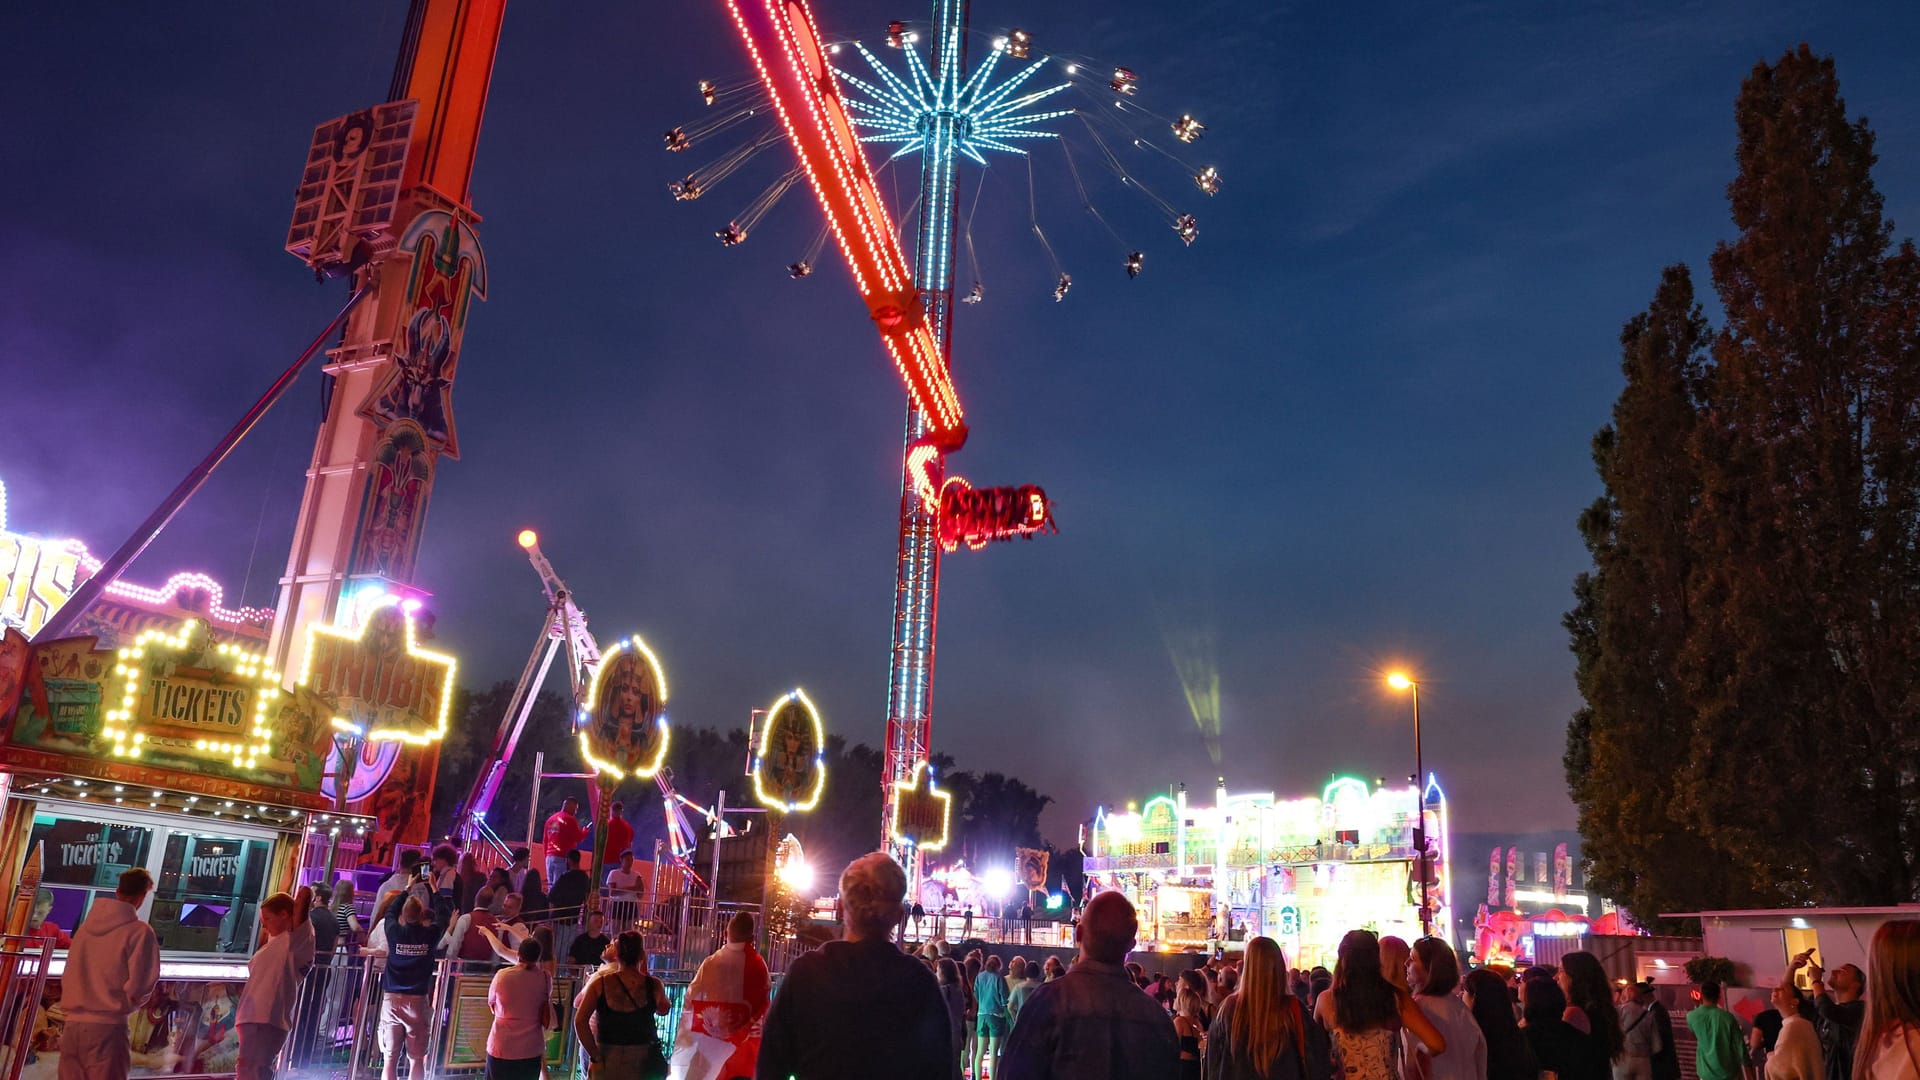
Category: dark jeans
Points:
column 513, row 1068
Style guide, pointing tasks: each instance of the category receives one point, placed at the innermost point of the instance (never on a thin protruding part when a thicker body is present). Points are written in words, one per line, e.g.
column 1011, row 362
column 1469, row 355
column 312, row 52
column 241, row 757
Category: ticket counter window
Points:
column 208, row 883
column 80, row 859
column 207, row 895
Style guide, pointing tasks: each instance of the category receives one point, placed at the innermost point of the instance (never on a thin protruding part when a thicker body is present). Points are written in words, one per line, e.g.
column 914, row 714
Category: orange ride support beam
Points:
column 785, row 45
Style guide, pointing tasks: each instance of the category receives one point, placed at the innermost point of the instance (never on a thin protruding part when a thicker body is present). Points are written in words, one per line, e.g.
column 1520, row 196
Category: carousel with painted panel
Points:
column 1302, row 871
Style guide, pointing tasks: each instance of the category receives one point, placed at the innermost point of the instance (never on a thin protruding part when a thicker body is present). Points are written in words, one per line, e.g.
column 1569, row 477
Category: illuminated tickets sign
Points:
column 921, row 811
column 789, row 765
column 376, row 679
column 187, row 696
column 623, row 725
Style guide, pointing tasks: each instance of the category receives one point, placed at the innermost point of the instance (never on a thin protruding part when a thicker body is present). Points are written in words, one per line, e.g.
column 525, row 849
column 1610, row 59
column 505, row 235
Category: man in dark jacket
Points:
column 407, row 985
column 1094, row 1023
column 1840, row 1011
column 859, row 1009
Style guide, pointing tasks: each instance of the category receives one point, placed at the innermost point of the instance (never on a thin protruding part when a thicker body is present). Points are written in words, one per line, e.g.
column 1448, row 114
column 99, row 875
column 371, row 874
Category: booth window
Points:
column 207, row 895
column 81, row 859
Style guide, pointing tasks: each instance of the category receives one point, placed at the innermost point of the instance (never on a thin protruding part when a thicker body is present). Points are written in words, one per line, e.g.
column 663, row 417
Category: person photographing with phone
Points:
column 1838, row 1008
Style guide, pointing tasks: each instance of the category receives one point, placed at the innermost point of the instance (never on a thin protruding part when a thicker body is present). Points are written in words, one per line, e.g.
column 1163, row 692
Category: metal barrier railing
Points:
column 23, row 976
column 336, row 1032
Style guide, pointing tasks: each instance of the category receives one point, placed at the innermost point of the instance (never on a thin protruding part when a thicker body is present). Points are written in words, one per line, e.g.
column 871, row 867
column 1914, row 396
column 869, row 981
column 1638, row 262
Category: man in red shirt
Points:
column 619, row 833
column 562, row 834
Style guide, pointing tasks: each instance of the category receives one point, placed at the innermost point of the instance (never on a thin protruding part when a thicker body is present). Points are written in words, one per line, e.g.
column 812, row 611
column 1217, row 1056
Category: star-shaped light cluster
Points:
column 950, row 112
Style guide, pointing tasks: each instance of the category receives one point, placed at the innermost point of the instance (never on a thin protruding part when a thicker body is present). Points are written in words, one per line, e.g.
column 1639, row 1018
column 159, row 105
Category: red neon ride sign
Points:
column 785, row 45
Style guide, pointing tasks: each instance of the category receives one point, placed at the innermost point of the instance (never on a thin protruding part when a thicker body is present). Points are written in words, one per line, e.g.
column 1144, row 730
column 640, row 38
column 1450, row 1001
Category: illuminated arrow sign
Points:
column 921, row 811
column 378, row 681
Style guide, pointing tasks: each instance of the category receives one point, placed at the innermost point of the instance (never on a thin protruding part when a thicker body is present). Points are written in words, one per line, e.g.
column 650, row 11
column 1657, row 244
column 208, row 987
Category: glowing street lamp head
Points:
column 1399, row 680
column 528, row 538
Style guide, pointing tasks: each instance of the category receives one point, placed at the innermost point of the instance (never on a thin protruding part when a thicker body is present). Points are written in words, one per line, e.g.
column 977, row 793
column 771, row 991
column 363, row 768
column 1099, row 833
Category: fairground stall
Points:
column 1302, row 871
column 162, row 739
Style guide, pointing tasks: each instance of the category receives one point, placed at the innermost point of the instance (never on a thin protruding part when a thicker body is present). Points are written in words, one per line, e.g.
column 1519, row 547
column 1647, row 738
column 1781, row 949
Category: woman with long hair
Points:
column 1558, row 1046
column 1590, row 1007
column 1190, row 1021
column 614, row 1016
column 1889, row 1046
column 954, row 997
column 1433, row 973
column 1261, row 1032
column 1508, row 1055
column 1364, row 1012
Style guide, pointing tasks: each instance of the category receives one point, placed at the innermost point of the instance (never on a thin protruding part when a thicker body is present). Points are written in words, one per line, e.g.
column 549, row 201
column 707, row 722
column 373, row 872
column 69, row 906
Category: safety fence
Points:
column 337, row 1020
column 23, row 977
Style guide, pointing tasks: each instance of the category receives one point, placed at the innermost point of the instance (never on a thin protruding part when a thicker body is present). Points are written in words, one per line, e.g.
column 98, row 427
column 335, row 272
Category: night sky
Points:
column 1347, row 428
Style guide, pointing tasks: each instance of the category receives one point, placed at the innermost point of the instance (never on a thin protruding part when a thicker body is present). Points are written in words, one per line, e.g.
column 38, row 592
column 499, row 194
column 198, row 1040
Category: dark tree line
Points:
column 992, row 813
column 1748, row 640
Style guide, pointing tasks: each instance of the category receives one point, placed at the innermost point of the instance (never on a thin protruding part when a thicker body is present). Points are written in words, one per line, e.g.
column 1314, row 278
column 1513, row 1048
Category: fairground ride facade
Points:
column 1302, row 871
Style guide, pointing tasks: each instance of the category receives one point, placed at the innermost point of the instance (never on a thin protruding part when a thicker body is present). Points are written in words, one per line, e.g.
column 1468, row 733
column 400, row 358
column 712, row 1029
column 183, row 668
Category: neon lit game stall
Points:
column 1302, row 871
column 160, row 737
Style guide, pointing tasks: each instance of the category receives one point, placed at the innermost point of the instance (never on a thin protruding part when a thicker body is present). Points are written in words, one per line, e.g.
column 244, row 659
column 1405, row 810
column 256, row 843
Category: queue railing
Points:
column 23, row 978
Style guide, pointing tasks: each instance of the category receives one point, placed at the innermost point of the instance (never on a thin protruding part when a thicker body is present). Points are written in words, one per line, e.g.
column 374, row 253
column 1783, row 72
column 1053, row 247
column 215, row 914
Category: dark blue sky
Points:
column 1348, row 427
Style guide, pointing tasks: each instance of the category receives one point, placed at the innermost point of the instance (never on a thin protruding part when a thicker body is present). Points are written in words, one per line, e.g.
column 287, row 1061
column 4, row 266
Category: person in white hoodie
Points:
column 273, row 980
column 111, row 971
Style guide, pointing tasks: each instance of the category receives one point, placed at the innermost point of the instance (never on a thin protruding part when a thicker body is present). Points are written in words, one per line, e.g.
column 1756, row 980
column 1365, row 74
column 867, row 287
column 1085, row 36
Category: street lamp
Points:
column 1400, row 680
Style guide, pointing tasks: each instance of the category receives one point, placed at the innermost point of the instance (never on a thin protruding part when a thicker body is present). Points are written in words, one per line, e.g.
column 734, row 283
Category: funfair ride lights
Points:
column 1302, row 871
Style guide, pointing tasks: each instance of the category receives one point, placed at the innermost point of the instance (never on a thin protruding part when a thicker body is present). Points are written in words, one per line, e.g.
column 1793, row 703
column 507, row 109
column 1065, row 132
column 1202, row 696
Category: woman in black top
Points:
column 1508, row 1055
column 1558, row 1045
column 621, row 1003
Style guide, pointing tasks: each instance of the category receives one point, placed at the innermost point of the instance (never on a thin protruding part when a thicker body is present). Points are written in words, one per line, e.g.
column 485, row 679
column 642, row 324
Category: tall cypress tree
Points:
column 1749, row 638
column 1782, row 583
column 1632, row 618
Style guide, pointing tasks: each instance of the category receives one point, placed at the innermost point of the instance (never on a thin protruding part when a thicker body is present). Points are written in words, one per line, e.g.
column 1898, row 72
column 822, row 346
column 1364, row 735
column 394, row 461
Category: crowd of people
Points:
column 869, row 1006
column 866, row 1007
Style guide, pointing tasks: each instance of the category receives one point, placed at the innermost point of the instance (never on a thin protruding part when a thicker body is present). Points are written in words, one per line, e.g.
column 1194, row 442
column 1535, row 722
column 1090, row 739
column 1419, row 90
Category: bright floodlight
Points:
column 1399, row 680
column 798, row 875
column 997, row 883
column 528, row 538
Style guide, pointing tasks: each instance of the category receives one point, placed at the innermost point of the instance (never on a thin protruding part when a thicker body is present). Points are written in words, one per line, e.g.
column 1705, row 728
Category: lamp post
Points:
column 1401, row 681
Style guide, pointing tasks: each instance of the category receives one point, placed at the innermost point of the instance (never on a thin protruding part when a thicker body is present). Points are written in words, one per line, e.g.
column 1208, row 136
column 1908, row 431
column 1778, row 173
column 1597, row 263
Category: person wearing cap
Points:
column 1641, row 1035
